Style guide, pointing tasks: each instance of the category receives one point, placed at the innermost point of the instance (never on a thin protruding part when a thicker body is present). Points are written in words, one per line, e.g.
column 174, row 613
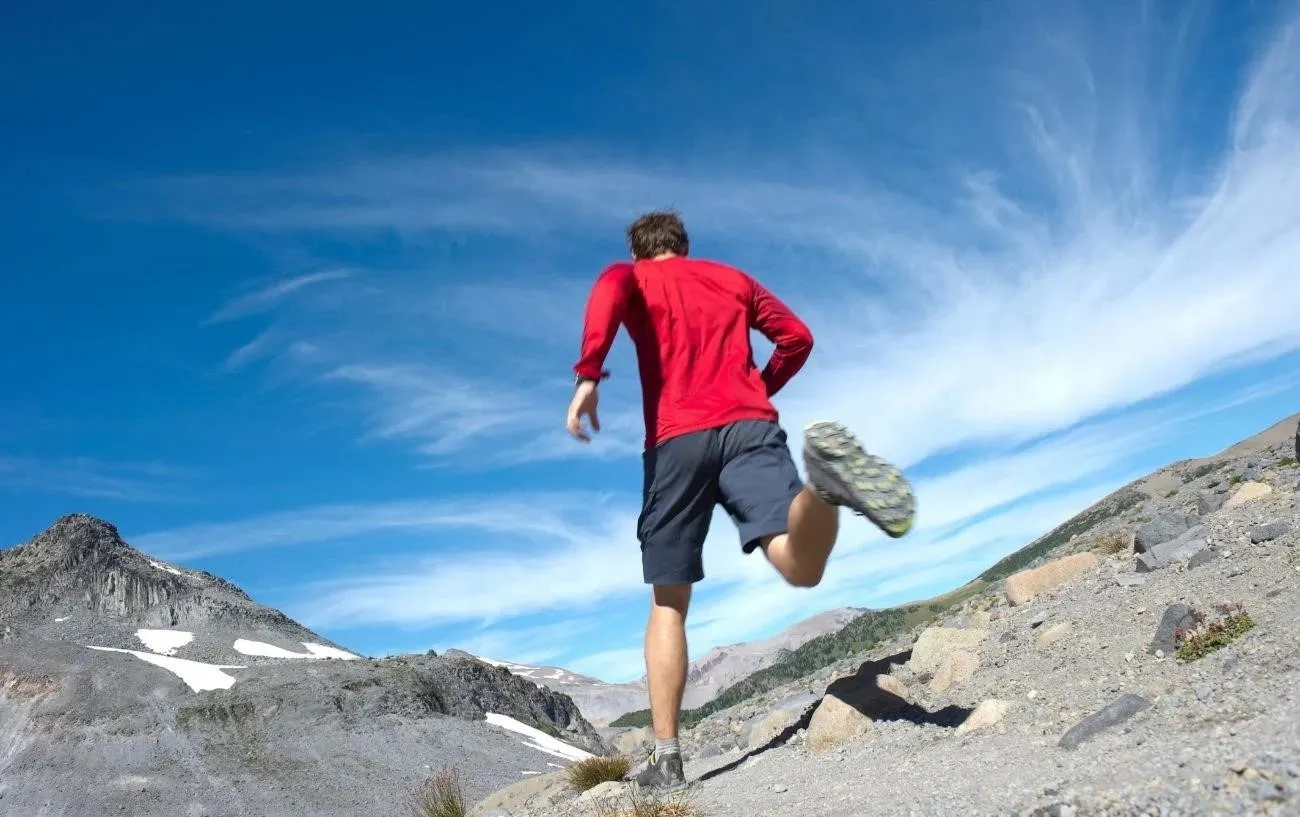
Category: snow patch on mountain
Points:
column 538, row 739
column 198, row 676
column 164, row 642
column 261, row 649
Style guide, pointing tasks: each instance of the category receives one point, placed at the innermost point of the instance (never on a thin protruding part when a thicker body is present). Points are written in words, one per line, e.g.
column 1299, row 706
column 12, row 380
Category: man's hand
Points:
column 583, row 403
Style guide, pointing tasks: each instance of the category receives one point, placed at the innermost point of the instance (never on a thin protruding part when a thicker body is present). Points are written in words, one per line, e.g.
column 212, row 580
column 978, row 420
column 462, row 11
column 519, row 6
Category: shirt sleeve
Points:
column 778, row 323
column 606, row 306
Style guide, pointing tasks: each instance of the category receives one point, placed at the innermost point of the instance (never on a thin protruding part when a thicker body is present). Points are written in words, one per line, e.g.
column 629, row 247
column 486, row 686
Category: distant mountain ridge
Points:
column 602, row 702
column 128, row 685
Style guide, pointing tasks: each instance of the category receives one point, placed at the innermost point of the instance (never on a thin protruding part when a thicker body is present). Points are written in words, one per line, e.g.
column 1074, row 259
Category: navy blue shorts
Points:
column 744, row 466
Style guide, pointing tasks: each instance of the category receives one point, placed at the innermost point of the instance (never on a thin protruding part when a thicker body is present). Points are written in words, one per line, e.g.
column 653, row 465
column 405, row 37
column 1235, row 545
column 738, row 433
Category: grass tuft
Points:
column 1111, row 542
column 1207, row 636
column 636, row 804
column 590, row 773
column 439, row 796
column 1286, row 462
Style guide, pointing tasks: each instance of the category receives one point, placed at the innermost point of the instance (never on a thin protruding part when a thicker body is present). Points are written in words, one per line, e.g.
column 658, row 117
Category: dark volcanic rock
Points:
column 1210, row 501
column 1186, row 545
column 1163, row 528
column 1176, row 617
column 1113, row 714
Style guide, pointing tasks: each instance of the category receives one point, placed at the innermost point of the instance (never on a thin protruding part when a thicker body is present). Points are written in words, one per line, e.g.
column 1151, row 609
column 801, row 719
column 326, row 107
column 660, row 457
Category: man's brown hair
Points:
column 657, row 233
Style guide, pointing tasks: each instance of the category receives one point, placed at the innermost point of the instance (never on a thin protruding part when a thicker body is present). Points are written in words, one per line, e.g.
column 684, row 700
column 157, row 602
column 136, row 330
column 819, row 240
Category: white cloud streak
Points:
column 266, row 298
column 88, row 477
column 1118, row 259
column 1003, row 318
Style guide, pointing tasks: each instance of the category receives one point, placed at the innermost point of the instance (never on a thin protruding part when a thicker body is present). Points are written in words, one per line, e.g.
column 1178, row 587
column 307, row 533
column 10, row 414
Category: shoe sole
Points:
column 875, row 489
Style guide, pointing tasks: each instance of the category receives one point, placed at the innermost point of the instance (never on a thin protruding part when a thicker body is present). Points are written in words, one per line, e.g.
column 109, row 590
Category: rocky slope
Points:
column 1073, row 686
column 131, row 686
column 719, row 668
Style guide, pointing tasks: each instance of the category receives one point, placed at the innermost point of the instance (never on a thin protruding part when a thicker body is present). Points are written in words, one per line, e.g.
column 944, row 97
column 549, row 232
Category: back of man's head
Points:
column 658, row 233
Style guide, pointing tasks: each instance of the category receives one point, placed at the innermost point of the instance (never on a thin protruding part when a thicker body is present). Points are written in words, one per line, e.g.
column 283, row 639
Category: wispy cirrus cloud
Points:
column 266, row 297
column 1005, row 303
column 89, row 477
column 1001, row 321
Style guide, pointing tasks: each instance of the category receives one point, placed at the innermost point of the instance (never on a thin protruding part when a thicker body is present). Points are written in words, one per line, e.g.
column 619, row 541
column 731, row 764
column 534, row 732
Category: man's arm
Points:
column 605, row 308
column 793, row 339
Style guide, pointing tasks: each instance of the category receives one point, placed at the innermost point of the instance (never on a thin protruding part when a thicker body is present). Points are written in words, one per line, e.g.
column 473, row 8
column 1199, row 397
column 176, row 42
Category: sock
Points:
column 667, row 747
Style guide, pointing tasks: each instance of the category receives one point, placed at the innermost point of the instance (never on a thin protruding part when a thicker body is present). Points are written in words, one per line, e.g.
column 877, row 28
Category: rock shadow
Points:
column 862, row 692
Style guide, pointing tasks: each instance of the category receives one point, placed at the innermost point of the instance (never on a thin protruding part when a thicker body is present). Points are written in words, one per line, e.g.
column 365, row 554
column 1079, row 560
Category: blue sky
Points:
column 292, row 294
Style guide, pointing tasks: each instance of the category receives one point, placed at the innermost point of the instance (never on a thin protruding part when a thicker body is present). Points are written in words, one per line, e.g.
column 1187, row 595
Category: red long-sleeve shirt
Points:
column 690, row 321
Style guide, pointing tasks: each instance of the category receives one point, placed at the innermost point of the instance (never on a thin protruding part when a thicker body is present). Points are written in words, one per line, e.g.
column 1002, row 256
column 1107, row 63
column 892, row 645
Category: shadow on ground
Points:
column 861, row 692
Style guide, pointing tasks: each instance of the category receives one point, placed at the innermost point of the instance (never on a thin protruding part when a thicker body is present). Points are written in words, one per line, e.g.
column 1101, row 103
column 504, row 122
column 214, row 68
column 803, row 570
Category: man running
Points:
column 712, row 437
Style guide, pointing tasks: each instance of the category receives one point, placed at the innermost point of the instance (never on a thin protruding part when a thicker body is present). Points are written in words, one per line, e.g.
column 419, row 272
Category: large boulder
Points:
column 1248, row 492
column 935, row 643
column 1164, row 554
column 1164, row 527
column 1022, row 587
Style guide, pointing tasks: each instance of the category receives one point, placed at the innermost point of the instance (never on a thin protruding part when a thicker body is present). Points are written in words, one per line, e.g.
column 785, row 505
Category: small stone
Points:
column 779, row 788
column 1203, row 692
column 1128, row 657
column 1055, row 633
column 1160, row 653
column 957, row 667
column 1208, row 502
column 987, row 713
column 1032, row 694
column 1268, row 532
column 1130, row 580
column 1039, row 619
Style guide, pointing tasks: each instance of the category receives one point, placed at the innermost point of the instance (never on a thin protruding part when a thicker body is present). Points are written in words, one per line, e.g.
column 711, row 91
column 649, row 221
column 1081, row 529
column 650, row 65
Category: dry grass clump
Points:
column 1112, row 542
column 590, row 773
column 636, row 804
column 439, row 796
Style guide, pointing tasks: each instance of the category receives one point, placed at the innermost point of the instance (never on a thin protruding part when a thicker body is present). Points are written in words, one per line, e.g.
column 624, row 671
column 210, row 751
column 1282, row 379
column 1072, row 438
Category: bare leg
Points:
column 665, row 656
column 800, row 555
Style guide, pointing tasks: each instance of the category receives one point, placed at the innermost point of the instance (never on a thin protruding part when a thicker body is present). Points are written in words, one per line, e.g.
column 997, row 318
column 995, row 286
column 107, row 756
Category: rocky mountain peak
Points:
column 74, row 539
column 81, row 563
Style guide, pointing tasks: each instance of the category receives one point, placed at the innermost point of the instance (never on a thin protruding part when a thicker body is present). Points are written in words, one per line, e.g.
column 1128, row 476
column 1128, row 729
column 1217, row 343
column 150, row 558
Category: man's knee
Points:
column 803, row 578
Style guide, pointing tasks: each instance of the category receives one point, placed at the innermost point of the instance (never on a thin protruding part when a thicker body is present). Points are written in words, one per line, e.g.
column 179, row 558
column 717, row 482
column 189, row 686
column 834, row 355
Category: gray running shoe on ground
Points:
column 662, row 774
column 842, row 473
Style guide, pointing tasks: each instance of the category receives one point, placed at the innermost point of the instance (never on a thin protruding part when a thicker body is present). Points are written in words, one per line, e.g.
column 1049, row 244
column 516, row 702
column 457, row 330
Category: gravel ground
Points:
column 1221, row 734
column 1216, row 736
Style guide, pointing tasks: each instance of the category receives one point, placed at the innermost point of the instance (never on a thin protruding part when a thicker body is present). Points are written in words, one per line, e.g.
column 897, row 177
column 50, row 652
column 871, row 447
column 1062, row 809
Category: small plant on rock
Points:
column 1286, row 462
column 439, row 796
column 590, row 773
column 1205, row 636
column 1234, row 479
